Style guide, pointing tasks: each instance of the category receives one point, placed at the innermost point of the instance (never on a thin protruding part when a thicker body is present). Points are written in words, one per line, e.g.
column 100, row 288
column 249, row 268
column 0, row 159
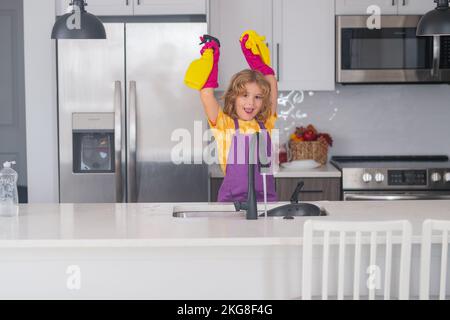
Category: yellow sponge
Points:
column 257, row 45
column 198, row 71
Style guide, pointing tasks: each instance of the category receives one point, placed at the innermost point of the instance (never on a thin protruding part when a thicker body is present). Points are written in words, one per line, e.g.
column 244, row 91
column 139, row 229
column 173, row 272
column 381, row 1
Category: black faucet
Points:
column 250, row 205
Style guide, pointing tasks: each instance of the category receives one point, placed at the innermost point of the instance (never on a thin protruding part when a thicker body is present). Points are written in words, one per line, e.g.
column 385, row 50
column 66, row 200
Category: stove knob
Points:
column 447, row 177
column 367, row 177
column 435, row 177
column 379, row 177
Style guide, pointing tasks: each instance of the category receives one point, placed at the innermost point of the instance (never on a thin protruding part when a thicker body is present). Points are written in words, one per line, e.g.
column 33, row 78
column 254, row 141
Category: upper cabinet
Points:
column 303, row 42
column 166, row 7
column 138, row 7
column 99, row 7
column 227, row 20
column 360, row 6
column 300, row 35
column 387, row 7
column 415, row 6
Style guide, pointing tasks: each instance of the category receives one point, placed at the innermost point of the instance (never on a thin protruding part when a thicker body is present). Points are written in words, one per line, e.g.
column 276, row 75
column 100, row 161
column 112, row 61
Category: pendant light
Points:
column 435, row 22
column 79, row 24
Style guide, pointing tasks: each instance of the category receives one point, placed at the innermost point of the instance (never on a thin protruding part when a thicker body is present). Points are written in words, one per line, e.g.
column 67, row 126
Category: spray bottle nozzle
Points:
column 208, row 38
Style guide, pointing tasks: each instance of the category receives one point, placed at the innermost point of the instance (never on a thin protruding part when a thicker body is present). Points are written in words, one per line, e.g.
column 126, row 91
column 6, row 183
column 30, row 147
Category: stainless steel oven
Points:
column 391, row 54
column 394, row 177
column 395, row 195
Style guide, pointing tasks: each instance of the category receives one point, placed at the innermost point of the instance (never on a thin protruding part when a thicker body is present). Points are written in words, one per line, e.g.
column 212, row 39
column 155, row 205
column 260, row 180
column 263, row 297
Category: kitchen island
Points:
column 141, row 251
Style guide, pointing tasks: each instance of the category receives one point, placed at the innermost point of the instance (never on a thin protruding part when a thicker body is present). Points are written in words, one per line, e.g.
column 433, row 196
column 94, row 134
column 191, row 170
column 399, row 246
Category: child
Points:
column 250, row 105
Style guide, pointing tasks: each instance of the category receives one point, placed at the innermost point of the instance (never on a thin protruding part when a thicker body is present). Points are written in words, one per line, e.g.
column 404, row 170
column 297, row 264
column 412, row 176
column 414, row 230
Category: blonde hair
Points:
column 237, row 88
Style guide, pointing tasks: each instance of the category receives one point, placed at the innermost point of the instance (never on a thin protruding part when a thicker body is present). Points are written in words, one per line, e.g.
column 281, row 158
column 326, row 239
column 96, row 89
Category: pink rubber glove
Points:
column 254, row 61
column 212, row 79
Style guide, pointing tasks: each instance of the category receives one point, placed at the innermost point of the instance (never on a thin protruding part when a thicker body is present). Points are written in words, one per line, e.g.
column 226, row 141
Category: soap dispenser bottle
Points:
column 9, row 198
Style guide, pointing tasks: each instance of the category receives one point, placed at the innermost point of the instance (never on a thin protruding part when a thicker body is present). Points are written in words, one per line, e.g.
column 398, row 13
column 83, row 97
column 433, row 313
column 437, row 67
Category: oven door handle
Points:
column 396, row 197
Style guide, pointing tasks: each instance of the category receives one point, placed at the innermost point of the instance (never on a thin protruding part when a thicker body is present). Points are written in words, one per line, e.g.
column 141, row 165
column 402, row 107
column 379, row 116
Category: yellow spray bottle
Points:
column 257, row 45
column 199, row 70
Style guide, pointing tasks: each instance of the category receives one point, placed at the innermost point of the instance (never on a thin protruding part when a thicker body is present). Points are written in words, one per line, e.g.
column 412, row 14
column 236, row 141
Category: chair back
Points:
column 429, row 230
column 356, row 234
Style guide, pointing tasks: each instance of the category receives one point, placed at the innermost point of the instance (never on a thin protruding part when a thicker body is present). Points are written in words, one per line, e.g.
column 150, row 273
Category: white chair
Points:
column 390, row 228
column 443, row 227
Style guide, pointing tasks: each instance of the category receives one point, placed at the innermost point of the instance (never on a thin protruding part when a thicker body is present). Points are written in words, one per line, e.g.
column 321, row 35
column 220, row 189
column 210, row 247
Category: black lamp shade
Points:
column 90, row 27
column 435, row 22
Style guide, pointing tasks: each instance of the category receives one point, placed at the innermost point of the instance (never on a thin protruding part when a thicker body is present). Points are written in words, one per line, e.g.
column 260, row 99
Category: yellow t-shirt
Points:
column 224, row 130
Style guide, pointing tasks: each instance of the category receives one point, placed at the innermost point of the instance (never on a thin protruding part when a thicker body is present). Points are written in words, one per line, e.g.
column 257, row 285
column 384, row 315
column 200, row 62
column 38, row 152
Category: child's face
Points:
column 250, row 103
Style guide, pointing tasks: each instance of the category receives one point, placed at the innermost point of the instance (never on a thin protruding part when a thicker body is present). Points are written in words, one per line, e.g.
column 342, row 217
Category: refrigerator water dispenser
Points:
column 93, row 142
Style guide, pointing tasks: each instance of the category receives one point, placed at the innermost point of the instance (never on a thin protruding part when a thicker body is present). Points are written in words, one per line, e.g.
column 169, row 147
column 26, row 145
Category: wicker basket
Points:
column 306, row 150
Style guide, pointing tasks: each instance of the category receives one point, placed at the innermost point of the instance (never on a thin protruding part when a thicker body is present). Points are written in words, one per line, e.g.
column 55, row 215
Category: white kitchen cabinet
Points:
column 388, row 7
column 169, row 7
column 303, row 41
column 228, row 19
column 138, row 7
column 100, row 7
column 349, row 7
column 300, row 35
column 415, row 6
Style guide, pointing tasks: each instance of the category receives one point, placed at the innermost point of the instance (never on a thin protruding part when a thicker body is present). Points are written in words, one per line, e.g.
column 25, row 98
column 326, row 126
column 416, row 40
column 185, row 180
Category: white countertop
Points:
column 324, row 171
column 152, row 224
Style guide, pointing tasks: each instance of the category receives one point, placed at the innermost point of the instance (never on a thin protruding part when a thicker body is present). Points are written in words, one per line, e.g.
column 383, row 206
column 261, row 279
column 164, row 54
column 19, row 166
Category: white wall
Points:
column 373, row 119
column 40, row 95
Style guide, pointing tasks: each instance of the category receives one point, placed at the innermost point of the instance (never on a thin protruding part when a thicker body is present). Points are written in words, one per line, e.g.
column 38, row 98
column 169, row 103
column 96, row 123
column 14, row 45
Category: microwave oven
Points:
column 390, row 54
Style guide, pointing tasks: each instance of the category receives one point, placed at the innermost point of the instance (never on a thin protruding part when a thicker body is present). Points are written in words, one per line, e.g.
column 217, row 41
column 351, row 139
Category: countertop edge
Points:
column 155, row 243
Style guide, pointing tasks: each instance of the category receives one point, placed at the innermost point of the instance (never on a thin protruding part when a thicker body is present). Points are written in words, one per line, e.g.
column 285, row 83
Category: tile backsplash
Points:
column 373, row 119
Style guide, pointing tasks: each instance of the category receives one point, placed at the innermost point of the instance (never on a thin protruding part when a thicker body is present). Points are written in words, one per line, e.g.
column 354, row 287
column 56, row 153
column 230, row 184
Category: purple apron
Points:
column 235, row 184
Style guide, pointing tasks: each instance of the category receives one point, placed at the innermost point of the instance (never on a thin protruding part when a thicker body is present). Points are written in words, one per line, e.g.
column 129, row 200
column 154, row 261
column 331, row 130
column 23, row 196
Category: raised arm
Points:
column 210, row 52
column 255, row 61
column 210, row 104
column 273, row 92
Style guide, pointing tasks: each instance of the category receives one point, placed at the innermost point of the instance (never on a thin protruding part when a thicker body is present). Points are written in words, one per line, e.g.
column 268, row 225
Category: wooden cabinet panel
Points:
column 215, row 184
column 314, row 189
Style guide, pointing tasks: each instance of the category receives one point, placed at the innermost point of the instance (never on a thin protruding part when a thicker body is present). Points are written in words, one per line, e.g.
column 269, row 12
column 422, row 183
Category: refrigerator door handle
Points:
column 132, row 143
column 118, row 139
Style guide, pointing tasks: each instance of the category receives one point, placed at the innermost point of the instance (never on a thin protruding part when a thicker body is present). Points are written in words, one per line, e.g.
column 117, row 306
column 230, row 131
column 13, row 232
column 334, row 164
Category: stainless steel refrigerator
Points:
column 119, row 101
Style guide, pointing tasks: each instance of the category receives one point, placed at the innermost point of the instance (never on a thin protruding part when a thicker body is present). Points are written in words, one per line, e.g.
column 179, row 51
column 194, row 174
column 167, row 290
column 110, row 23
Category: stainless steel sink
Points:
column 209, row 214
column 206, row 211
column 228, row 211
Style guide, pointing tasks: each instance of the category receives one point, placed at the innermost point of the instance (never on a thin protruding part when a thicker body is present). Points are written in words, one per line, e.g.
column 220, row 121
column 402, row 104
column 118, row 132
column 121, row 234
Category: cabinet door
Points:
column 304, row 44
column 344, row 7
column 214, row 187
column 99, row 7
column 228, row 19
column 314, row 189
column 415, row 6
column 169, row 7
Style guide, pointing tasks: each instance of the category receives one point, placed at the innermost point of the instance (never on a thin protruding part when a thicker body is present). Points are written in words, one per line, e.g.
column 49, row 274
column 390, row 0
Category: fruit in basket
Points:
column 310, row 135
column 299, row 131
column 310, row 127
column 295, row 137
column 326, row 137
